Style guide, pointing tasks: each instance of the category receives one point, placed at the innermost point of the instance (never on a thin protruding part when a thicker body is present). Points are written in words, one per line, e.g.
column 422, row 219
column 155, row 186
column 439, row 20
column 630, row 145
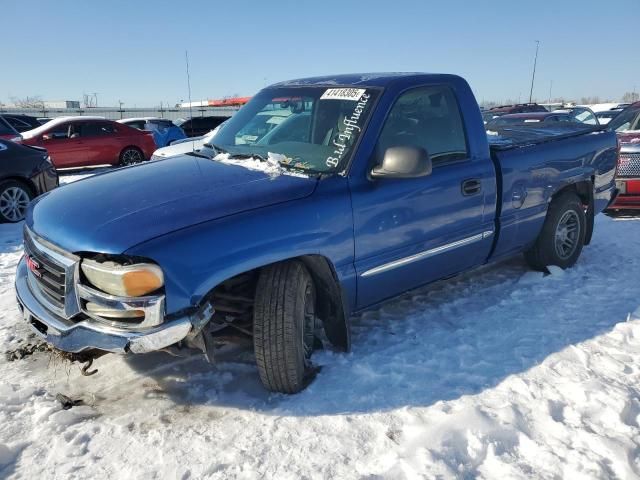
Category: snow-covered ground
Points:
column 498, row 373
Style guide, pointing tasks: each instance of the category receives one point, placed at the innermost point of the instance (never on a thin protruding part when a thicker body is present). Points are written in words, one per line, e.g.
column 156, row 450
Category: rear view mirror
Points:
column 403, row 162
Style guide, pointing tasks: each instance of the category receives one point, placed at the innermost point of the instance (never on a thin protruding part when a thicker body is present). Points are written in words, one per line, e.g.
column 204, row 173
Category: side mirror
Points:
column 403, row 162
column 47, row 136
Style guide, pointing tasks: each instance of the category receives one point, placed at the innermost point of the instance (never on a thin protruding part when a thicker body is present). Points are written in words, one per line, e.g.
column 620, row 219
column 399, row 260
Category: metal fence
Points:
column 115, row 113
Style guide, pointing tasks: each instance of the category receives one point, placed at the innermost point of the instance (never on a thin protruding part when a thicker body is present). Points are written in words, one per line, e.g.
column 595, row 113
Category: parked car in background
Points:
column 627, row 179
column 627, row 124
column 25, row 173
column 533, row 118
column 7, row 132
column 199, row 126
column 87, row 141
column 164, row 131
column 43, row 120
column 393, row 185
column 21, row 123
column 494, row 112
column 580, row 114
column 604, row 117
column 180, row 147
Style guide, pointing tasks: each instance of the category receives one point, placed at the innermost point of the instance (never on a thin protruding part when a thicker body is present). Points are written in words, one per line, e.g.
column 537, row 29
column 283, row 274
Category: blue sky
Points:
column 134, row 50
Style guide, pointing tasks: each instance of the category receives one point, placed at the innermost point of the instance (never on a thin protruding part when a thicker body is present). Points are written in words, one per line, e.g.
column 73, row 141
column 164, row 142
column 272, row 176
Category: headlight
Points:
column 123, row 280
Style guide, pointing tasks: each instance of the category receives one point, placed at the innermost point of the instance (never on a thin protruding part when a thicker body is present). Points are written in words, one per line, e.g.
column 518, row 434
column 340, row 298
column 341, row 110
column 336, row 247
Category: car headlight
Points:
column 123, row 280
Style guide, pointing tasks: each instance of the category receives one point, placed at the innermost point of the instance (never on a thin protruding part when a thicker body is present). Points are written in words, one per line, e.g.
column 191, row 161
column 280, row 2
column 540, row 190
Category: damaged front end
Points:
column 72, row 315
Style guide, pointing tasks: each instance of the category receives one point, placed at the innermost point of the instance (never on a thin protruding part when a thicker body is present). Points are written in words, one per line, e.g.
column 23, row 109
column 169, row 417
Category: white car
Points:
column 186, row 145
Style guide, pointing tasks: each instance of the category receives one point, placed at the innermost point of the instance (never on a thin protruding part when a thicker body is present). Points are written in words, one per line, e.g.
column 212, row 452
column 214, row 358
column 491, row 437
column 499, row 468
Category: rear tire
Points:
column 283, row 326
column 14, row 200
column 131, row 156
column 562, row 237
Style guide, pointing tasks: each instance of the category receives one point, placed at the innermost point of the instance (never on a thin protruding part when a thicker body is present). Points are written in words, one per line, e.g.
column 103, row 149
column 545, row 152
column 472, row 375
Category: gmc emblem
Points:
column 33, row 266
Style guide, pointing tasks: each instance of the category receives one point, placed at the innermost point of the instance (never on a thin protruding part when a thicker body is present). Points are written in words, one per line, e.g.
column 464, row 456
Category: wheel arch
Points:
column 584, row 190
column 24, row 181
column 331, row 300
column 123, row 149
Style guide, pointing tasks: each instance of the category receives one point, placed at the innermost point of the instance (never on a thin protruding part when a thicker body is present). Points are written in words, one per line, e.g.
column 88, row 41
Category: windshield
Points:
column 178, row 122
column 313, row 129
column 628, row 119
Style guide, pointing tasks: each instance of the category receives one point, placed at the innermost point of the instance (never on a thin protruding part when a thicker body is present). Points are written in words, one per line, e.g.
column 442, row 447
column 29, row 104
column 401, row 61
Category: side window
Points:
column 427, row 117
column 584, row 116
column 62, row 131
column 96, row 129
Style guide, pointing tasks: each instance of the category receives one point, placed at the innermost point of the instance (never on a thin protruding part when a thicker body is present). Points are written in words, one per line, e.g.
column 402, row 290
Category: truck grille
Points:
column 48, row 275
column 629, row 165
column 51, row 275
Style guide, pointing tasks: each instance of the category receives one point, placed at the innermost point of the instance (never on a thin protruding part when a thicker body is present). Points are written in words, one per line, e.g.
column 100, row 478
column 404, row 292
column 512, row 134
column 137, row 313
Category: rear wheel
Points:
column 562, row 237
column 131, row 156
column 14, row 200
column 283, row 326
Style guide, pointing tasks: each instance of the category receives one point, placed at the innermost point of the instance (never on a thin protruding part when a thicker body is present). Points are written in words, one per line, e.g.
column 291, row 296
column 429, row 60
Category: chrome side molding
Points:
column 427, row 253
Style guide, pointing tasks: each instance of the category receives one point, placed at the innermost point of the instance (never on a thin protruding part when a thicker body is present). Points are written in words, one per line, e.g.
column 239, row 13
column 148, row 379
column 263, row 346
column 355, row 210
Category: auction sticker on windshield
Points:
column 353, row 94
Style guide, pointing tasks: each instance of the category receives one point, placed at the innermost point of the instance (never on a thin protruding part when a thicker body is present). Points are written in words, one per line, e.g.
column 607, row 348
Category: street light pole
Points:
column 533, row 75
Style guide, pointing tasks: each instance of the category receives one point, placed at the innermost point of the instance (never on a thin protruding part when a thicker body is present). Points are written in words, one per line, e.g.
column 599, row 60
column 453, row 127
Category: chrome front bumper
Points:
column 74, row 336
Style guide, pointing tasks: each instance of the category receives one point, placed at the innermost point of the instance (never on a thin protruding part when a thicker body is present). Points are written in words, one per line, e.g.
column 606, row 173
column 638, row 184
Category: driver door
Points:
column 410, row 231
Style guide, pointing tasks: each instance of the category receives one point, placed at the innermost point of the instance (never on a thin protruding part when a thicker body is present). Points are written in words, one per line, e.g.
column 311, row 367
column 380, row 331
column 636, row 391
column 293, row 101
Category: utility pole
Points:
column 533, row 75
column 120, row 102
column 186, row 56
column 550, row 87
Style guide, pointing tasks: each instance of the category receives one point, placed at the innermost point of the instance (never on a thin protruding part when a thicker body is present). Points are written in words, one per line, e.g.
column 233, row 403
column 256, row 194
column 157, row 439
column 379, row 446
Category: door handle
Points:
column 471, row 186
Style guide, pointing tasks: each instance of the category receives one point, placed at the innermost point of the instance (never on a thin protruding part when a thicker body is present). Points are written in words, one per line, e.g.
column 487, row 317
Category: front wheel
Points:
column 283, row 326
column 562, row 237
column 14, row 200
column 131, row 156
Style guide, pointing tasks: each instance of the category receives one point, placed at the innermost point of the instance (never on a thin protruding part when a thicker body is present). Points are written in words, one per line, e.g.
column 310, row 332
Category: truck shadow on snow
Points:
column 453, row 338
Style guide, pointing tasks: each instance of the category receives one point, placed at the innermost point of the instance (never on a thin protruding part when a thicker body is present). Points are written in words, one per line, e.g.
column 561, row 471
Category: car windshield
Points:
column 628, row 119
column 313, row 129
column 178, row 122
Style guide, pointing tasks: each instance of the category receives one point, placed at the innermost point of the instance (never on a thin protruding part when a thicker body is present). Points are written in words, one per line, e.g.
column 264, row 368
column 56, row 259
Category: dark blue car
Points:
column 367, row 186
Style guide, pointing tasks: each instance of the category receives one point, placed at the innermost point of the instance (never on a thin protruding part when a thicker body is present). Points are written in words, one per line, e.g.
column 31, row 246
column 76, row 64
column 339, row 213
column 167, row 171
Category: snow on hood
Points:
column 272, row 166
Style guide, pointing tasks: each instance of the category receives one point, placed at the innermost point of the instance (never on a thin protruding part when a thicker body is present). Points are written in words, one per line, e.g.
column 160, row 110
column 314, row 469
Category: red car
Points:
column 627, row 125
column 7, row 132
column 87, row 141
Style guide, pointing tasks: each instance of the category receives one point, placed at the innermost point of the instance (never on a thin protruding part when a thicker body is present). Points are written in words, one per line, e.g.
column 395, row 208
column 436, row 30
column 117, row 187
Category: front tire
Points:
column 283, row 326
column 562, row 237
column 14, row 200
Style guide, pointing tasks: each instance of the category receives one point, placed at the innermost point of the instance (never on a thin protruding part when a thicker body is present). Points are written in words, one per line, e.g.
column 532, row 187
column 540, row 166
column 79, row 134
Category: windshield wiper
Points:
column 241, row 156
column 215, row 148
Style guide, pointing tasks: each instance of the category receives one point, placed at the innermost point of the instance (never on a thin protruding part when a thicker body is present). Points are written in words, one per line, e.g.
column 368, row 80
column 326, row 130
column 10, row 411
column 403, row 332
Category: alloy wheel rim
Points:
column 131, row 156
column 567, row 234
column 13, row 203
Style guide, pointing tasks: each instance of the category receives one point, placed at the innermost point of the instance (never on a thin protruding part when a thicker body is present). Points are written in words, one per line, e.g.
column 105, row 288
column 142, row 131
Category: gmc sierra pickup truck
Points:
column 362, row 187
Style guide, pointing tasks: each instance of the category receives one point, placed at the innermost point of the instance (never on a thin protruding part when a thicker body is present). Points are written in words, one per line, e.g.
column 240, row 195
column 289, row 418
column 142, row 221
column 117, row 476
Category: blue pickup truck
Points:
column 363, row 187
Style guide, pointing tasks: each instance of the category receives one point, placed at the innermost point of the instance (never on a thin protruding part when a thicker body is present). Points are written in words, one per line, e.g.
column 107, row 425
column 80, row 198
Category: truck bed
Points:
column 522, row 136
column 534, row 163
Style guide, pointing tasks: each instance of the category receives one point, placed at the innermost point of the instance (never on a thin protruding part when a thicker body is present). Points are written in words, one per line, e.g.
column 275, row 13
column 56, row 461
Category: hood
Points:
column 179, row 148
column 114, row 211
